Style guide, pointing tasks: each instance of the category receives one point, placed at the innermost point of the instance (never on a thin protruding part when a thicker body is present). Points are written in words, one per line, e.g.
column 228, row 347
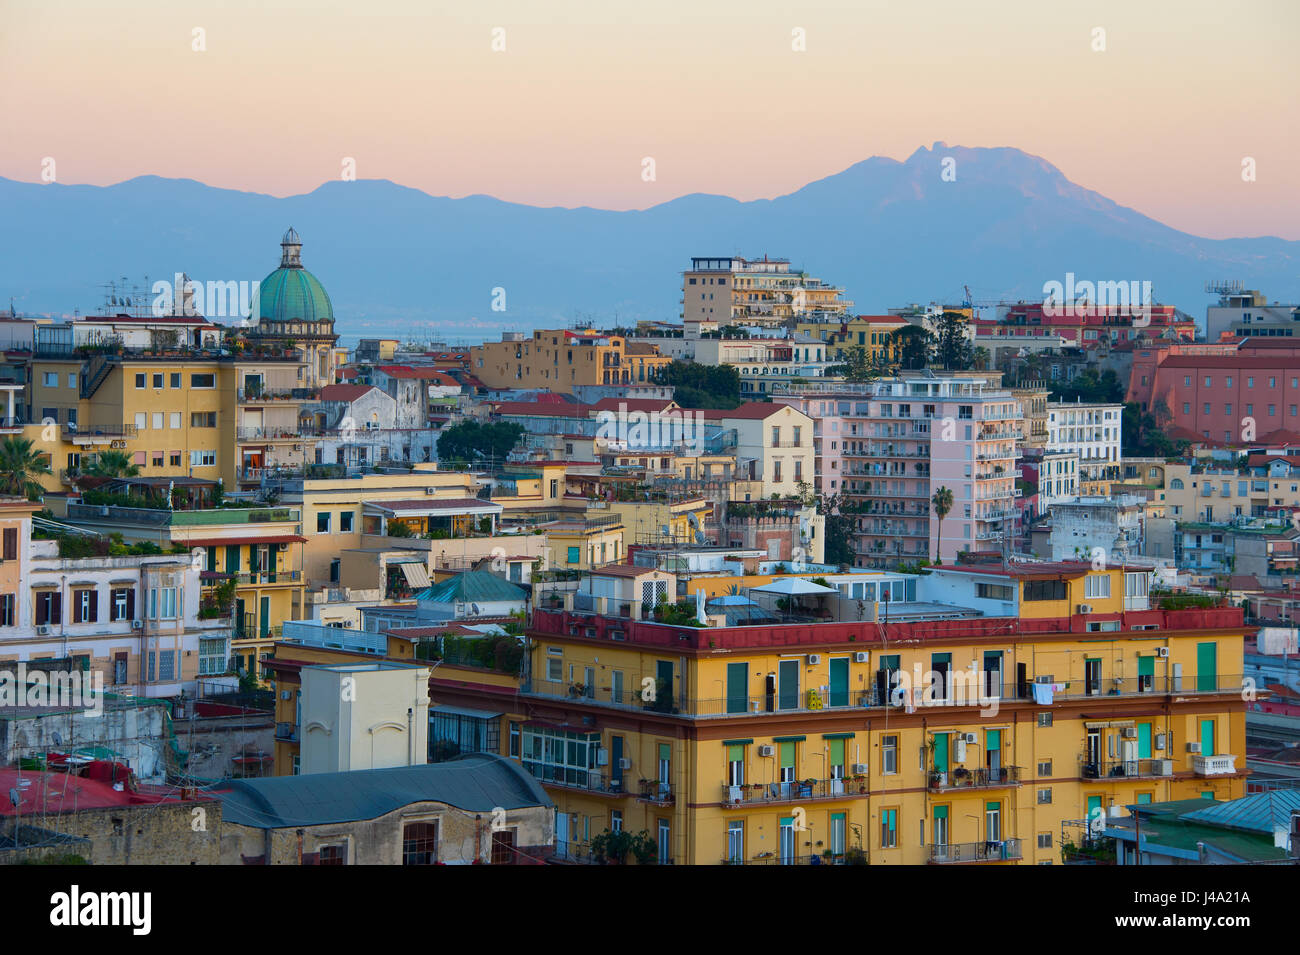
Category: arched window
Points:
column 1176, row 484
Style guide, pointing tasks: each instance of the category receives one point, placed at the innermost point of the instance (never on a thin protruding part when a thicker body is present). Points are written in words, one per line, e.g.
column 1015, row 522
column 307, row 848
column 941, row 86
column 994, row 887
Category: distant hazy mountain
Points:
column 397, row 261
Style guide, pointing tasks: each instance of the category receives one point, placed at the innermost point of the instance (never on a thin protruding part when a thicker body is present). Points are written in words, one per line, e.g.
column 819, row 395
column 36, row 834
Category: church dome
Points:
column 291, row 294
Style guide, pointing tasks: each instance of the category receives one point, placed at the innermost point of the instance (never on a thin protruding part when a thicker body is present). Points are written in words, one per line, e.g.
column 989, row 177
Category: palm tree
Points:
column 942, row 502
column 113, row 464
column 20, row 465
column 980, row 358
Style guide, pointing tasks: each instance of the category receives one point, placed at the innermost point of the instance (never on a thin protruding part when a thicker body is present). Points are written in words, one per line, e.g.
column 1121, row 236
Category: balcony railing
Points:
column 1150, row 685
column 260, row 577
column 843, row 858
column 962, row 778
column 588, row 780
column 756, row 793
column 994, row 850
column 1125, row 768
column 1223, row 765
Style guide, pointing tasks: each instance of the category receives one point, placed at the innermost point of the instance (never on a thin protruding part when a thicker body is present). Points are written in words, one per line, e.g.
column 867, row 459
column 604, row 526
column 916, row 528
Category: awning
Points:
column 415, row 575
column 463, row 711
column 239, row 541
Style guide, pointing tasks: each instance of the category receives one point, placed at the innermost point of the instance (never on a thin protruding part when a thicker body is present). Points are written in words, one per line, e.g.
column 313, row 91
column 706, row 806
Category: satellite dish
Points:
column 699, row 537
column 474, row 609
column 58, row 739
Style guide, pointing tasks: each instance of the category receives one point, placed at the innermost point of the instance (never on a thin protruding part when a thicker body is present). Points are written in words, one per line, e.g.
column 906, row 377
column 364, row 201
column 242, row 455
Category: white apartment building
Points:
column 1093, row 431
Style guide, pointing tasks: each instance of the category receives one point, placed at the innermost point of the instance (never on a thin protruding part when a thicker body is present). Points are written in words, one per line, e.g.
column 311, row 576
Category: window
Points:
column 140, row 380
column 175, row 381
column 203, row 459
column 174, row 420
column 202, row 381
column 514, row 739
column 51, row 379
column 1044, row 796
column 888, row 755
column 332, row 855
column 345, row 521
column 995, row 592
column 1045, row 767
column 157, row 380
column 49, row 607
column 85, row 606
column 157, row 420
column 167, row 665
column 141, row 420
column 1045, row 719
column 554, row 670
column 6, row 610
column 174, row 458
column 10, row 551
column 1044, row 840
column 213, row 656
column 322, row 522
column 888, row 828
column 574, row 555
column 1045, row 590
column 1096, row 585
column 451, row 734
column 736, row 840
column 123, row 603
column 157, row 459
column 203, row 419
column 162, row 603
column 503, row 845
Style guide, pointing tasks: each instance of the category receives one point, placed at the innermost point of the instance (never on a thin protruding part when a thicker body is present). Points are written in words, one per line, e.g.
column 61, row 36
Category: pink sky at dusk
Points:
column 413, row 91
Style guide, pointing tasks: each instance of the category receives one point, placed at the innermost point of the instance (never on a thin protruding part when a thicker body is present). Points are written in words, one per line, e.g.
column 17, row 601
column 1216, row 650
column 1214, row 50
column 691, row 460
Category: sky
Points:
column 1187, row 110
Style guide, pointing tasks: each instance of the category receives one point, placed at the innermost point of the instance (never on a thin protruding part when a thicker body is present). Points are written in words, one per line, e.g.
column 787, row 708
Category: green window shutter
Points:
column 665, row 751
column 940, row 752
column 573, row 555
column 1206, row 667
column 837, row 752
column 787, row 754
column 232, row 559
column 1207, row 737
column 788, row 692
column 839, row 681
column 993, row 740
column 1144, row 741
column 735, row 754
column 889, row 661
column 737, row 687
column 1208, row 794
column 940, row 812
column 1144, row 799
column 1147, row 666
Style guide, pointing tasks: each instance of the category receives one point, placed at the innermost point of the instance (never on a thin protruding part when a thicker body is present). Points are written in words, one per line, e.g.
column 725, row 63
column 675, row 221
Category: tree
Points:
column 953, row 349
column 838, row 532
column 913, row 346
column 470, row 441
column 858, row 365
column 113, row 464
column 20, row 465
column 980, row 358
column 615, row 847
column 703, row 386
column 942, row 502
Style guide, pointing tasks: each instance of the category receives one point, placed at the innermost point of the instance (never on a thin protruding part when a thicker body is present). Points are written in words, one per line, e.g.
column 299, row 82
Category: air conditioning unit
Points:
column 1085, row 608
column 602, row 757
column 1162, row 767
column 767, row 751
column 1193, row 747
column 43, row 629
column 625, row 763
column 968, row 737
column 1162, row 653
column 1130, row 732
column 859, row 769
column 137, row 624
column 814, row 659
column 861, row 657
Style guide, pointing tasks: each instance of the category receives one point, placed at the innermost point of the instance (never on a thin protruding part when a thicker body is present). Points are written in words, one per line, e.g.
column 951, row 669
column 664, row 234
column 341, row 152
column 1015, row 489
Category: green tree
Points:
column 913, row 345
column 615, row 847
column 942, row 502
column 953, row 349
column 703, row 386
column 857, row 366
column 472, row 441
column 20, row 465
column 113, row 464
column 838, row 532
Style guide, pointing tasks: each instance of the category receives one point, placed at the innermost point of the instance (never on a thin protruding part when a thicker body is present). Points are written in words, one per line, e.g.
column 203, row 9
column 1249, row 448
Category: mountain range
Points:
column 399, row 262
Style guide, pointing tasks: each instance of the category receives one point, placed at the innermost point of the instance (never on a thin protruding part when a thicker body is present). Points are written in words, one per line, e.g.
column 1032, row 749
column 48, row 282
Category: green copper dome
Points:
column 291, row 293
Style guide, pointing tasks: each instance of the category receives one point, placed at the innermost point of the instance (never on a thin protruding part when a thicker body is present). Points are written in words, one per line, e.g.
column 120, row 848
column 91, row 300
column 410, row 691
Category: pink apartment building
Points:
column 887, row 445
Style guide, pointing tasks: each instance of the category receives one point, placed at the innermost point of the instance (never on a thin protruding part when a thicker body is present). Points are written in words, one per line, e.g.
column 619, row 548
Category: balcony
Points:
column 797, row 791
column 581, row 779
column 286, row 732
column 1126, row 768
column 851, row 857
column 962, row 778
column 655, row 791
column 1224, row 765
column 1007, row 850
column 259, row 578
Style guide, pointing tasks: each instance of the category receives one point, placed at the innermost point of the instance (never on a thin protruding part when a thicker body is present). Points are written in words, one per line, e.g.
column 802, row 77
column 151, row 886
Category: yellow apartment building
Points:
column 874, row 333
column 560, row 360
column 940, row 739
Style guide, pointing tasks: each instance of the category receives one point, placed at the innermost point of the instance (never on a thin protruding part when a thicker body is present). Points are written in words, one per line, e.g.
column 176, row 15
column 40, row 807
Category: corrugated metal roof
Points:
column 477, row 586
column 1262, row 812
column 476, row 783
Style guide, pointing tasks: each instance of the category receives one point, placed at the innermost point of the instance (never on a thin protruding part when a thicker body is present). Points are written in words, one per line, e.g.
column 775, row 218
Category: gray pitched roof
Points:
column 1261, row 812
column 479, row 782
